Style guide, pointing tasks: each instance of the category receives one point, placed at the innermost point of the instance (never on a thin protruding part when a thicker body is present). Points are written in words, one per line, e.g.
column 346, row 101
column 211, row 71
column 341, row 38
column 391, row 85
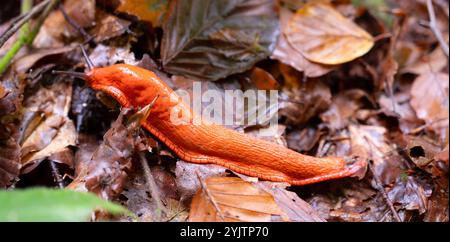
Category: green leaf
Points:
column 42, row 204
column 212, row 39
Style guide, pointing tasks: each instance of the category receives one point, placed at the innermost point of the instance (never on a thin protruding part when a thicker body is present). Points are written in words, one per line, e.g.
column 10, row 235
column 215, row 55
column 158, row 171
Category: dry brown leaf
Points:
column 53, row 131
column 324, row 36
column 288, row 55
column 26, row 62
column 10, row 105
column 433, row 62
column 108, row 26
column 262, row 79
column 56, row 26
column 146, row 10
column 186, row 176
column 429, row 98
column 104, row 173
column 301, row 100
column 3, row 91
column 232, row 199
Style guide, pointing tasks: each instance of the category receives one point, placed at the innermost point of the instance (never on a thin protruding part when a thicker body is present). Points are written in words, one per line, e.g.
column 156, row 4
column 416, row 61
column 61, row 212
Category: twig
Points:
column 210, row 197
column 21, row 20
column 26, row 39
column 74, row 24
column 153, row 188
column 384, row 194
column 56, row 175
column 380, row 188
column 435, row 29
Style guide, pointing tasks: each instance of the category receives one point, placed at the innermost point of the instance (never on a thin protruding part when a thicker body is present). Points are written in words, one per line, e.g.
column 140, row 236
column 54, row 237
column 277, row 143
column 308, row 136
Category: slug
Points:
column 132, row 86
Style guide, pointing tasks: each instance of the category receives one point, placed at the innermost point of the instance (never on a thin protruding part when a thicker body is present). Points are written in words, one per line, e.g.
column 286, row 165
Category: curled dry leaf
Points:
column 145, row 10
column 429, row 98
column 105, row 172
column 48, row 131
column 22, row 65
column 288, row 55
column 324, row 36
column 302, row 101
column 209, row 40
column 56, row 27
column 10, row 106
column 108, row 26
column 232, row 199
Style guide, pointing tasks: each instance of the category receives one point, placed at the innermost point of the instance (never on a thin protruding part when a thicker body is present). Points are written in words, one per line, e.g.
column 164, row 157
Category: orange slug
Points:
column 132, row 86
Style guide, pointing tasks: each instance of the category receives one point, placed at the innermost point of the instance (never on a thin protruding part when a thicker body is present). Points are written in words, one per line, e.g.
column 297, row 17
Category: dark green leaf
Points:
column 212, row 39
column 41, row 204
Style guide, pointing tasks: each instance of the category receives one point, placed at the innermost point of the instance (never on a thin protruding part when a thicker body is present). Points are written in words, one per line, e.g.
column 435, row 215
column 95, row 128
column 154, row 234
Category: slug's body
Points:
column 213, row 144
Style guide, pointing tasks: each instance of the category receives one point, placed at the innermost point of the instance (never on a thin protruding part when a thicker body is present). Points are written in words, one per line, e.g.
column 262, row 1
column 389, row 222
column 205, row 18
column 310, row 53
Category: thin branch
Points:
column 21, row 20
column 28, row 38
column 74, row 24
column 435, row 29
column 56, row 175
column 380, row 187
column 210, row 197
column 153, row 188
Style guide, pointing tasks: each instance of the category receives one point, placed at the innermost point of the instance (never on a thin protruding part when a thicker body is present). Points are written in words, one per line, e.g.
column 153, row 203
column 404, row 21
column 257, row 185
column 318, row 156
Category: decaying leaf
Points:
column 50, row 131
column 56, row 27
column 288, row 55
column 232, row 199
column 209, row 40
column 3, row 91
column 10, row 114
column 108, row 26
column 324, row 36
column 186, row 176
column 146, row 10
column 429, row 98
column 105, row 172
column 23, row 64
column 301, row 100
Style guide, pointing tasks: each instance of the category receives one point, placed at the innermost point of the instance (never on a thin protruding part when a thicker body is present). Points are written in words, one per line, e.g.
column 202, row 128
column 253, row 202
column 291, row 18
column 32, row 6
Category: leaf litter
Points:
column 354, row 81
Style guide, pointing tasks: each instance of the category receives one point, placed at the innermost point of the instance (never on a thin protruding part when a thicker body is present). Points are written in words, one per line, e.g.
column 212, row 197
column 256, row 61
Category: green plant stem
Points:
column 26, row 36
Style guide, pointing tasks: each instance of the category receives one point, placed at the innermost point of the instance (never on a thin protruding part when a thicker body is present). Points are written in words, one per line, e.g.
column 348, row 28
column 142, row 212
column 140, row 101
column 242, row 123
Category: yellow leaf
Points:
column 146, row 10
column 324, row 36
column 233, row 199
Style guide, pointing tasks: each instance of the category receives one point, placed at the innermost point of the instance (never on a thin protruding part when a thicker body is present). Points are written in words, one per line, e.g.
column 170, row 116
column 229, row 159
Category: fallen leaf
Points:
column 3, row 91
column 10, row 114
column 146, row 10
column 186, row 176
column 288, row 55
column 53, row 131
column 324, row 36
column 22, row 65
column 104, row 55
column 105, row 172
column 108, row 26
column 209, row 40
column 343, row 108
column 56, row 27
column 429, row 98
column 302, row 100
column 432, row 62
column 232, row 199
column 262, row 79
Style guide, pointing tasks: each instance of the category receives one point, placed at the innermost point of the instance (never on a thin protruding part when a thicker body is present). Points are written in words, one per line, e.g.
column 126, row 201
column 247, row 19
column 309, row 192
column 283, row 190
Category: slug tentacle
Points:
column 212, row 144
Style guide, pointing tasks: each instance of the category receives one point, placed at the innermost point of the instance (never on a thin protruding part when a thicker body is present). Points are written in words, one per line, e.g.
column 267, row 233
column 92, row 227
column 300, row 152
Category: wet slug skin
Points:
column 211, row 144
